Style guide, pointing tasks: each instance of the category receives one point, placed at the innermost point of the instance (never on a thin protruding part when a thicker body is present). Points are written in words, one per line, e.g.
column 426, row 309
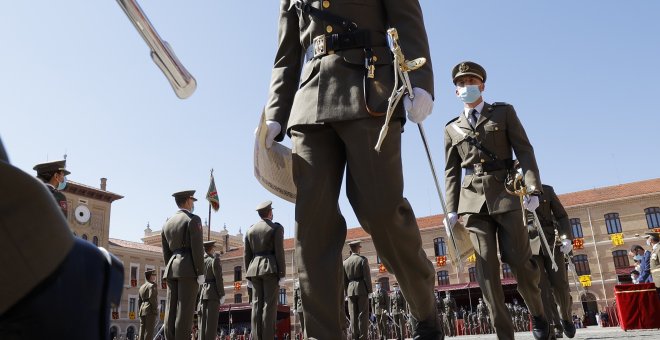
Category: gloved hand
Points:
column 420, row 106
column 200, row 279
column 281, row 282
column 249, row 284
column 531, row 202
column 222, row 300
column 452, row 217
column 274, row 129
column 566, row 246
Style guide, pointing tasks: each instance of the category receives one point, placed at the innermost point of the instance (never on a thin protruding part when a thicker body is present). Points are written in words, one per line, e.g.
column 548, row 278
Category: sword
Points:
column 401, row 69
column 183, row 83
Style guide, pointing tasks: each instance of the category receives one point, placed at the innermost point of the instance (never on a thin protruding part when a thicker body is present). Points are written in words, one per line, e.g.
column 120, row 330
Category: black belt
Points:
column 484, row 167
column 210, row 281
column 325, row 44
column 181, row 250
column 264, row 253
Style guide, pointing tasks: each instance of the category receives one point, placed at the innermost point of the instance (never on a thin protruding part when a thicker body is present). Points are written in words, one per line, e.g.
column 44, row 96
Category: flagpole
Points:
column 208, row 234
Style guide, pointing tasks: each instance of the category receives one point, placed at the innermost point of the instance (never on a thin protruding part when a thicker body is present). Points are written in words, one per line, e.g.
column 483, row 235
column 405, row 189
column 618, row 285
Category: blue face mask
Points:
column 192, row 208
column 62, row 185
column 469, row 94
column 638, row 257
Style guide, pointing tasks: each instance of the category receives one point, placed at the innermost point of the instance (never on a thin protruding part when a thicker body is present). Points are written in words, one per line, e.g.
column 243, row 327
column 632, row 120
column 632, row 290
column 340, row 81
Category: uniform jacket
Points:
column 60, row 199
column 183, row 231
column 213, row 287
column 357, row 276
column 450, row 307
column 297, row 300
column 645, row 268
column 398, row 303
column 330, row 88
column 499, row 130
column 655, row 265
column 264, row 249
column 148, row 299
column 550, row 209
column 380, row 301
column 482, row 309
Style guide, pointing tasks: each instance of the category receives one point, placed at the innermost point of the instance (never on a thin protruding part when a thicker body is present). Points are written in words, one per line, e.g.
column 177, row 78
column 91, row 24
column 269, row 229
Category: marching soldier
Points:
column 654, row 242
column 264, row 260
column 381, row 304
column 398, row 311
column 357, row 282
column 482, row 311
column 450, row 314
column 551, row 212
column 212, row 294
column 53, row 174
column 480, row 141
column 440, row 308
column 321, row 97
column 297, row 304
column 148, row 304
column 183, row 252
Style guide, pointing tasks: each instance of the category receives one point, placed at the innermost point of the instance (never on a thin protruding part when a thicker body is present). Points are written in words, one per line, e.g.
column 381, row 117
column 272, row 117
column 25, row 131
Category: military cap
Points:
column 468, row 68
column 354, row 243
column 149, row 272
column 185, row 193
column 652, row 233
column 209, row 243
column 395, row 284
column 53, row 166
column 265, row 206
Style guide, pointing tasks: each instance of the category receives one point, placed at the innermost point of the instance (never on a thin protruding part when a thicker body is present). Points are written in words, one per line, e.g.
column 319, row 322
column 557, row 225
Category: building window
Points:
column 384, row 283
column 620, row 259
column 84, row 237
column 581, row 264
column 613, row 223
column 131, row 304
column 95, row 240
column 282, row 300
column 130, row 333
column 472, row 271
column 238, row 298
column 443, row 278
column 652, row 217
column 238, row 274
column 506, row 271
column 134, row 274
column 576, row 226
column 162, row 309
column 440, row 246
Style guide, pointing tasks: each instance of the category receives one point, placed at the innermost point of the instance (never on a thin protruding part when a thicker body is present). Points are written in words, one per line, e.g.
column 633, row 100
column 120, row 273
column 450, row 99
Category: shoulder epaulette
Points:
column 451, row 121
column 500, row 104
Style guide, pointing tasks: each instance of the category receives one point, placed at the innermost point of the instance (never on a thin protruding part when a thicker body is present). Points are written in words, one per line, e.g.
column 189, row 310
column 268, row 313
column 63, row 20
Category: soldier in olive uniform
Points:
column 357, row 283
column 440, row 307
column 297, row 304
column 380, row 305
column 450, row 314
column 481, row 141
column 654, row 241
column 482, row 312
column 148, row 304
column 264, row 260
column 183, row 253
column 320, row 97
column 53, row 174
column 212, row 294
column 398, row 311
column 551, row 212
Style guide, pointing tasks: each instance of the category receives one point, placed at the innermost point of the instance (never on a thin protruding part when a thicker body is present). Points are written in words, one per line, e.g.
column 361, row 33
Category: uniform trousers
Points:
column 147, row 325
column 358, row 309
column 556, row 282
column 207, row 328
column 181, row 301
column 374, row 186
column 399, row 325
column 382, row 325
column 486, row 231
column 264, row 306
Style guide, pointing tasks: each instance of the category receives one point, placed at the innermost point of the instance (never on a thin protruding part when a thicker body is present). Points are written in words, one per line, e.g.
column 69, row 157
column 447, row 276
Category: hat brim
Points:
column 458, row 75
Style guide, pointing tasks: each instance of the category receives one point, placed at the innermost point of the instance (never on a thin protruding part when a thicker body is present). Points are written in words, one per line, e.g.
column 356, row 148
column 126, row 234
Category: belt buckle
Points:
column 478, row 169
column 320, row 46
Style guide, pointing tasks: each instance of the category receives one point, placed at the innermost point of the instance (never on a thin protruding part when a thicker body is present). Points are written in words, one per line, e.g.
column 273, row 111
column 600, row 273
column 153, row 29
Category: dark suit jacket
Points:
column 645, row 268
column 330, row 88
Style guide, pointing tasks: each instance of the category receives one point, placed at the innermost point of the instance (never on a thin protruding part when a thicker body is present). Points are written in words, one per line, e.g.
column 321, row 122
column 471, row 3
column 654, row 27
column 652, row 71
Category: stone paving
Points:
column 593, row 332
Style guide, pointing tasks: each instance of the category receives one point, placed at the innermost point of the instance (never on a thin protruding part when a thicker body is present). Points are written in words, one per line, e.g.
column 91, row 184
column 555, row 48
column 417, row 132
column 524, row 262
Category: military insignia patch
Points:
column 463, row 68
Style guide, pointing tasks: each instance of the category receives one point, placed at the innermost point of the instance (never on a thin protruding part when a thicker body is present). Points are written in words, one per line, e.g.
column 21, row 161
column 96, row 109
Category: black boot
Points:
column 540, row 328
column 569, row 328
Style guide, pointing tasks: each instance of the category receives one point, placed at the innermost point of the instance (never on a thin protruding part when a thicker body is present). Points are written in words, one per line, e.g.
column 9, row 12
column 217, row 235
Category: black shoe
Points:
column 569, row 328
column 428, row 330
column 540, row 328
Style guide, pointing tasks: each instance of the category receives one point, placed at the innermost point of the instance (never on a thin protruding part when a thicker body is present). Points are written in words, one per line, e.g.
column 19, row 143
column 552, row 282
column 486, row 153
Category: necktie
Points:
column 473, row 118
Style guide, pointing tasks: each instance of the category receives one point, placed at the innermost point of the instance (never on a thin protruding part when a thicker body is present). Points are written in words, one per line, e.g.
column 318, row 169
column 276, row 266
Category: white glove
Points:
column 452, row 217
column 249, row 284
column 566, row 246
column 222, row 300
column 200, row 280
column 281, row 282
column 420, row 106
column 531, row 202
column 274, row 129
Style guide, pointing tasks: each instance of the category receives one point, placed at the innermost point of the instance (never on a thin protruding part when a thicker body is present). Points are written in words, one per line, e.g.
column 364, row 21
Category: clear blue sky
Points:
column 77, row 78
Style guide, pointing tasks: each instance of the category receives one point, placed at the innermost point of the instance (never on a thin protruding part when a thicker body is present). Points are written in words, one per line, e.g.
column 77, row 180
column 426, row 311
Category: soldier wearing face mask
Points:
column 53, row 174
column 479, row 148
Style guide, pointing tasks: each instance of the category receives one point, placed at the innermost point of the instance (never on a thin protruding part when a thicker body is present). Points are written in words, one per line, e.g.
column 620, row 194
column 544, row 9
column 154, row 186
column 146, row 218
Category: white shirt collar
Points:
column 479, row 108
